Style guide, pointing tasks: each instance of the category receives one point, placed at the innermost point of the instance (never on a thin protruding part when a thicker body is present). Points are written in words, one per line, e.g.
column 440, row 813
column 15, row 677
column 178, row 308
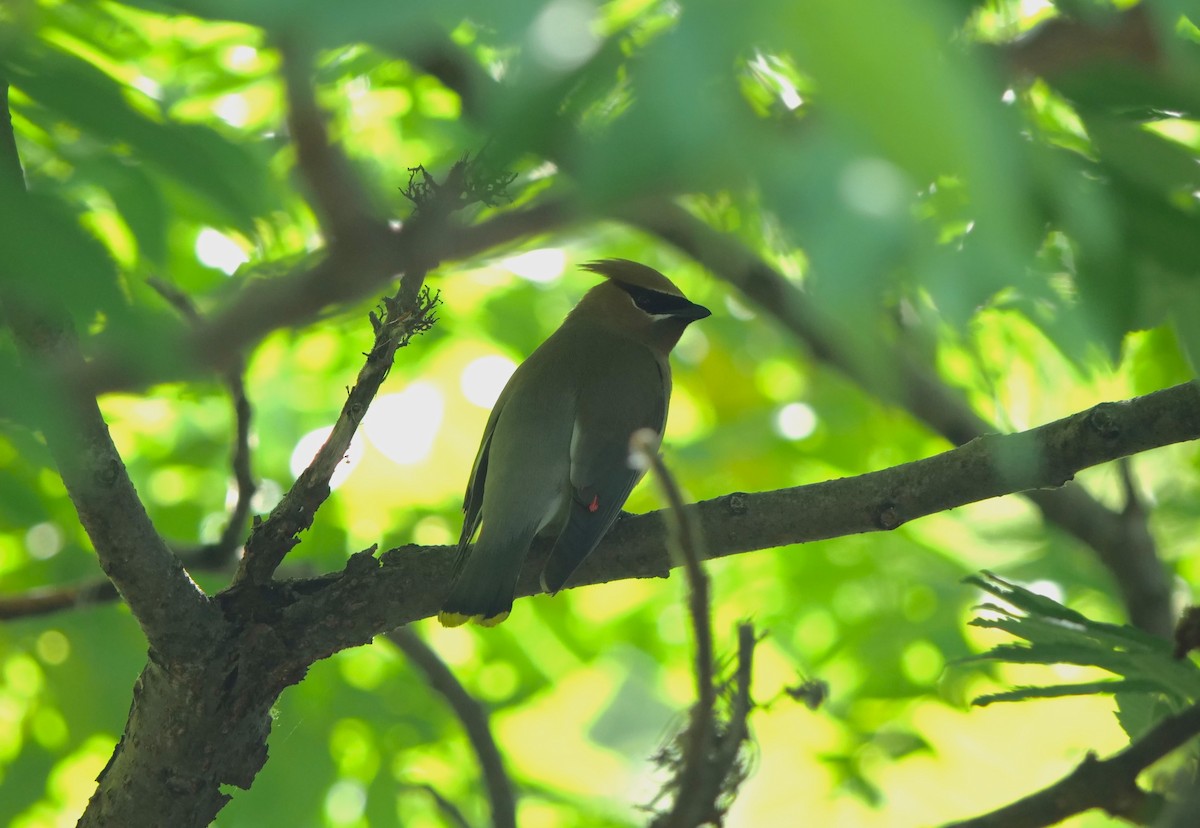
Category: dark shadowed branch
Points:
column 1121, row 540
column 474, row 718
column 336, row 192
column 1109, row 784
column 171, row 610
column 704, row 758
column 218, row 554
column 1062, row 45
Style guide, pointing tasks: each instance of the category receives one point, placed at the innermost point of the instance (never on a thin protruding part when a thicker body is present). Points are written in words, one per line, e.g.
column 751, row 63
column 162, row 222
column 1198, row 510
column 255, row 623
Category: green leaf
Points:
column 50, row 262
column 1059, row 635
column 226, row 175
column 1086, row 688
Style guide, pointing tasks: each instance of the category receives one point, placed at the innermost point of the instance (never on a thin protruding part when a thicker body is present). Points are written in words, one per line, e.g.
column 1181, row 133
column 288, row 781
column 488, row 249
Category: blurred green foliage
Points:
column 1032, row 240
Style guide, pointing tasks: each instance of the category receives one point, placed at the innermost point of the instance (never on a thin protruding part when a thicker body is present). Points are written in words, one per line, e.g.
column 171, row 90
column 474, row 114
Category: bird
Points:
column 554, row 456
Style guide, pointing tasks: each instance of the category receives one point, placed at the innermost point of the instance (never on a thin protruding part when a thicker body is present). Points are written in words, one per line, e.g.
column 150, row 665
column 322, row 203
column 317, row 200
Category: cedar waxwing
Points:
column 554, row 458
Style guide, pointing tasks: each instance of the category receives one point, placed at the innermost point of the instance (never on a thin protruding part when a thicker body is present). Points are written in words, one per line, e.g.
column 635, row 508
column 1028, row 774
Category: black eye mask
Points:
column 657, row 303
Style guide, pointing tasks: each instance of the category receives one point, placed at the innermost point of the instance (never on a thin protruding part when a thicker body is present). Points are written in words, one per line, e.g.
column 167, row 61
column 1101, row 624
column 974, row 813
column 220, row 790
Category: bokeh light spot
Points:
column 44, row 540
column 483, row 379
column 403, row 425
column 52, row 647
column 795, row 421
column 562, row 36
column 215, row 249
column 540, row 266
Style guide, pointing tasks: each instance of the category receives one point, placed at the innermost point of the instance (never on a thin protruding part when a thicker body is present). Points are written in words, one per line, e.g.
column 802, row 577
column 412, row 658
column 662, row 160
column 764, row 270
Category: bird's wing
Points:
column 473, row 499
column 601, row 478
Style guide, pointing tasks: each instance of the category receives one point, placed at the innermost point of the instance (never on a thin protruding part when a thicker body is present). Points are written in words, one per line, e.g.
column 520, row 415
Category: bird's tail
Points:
column 484, row 583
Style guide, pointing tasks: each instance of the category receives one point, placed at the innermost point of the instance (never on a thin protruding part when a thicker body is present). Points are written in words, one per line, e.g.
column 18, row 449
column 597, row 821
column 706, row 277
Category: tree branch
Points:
column 1110, row 784
column 216, row 555
column 273, row 538
column 1062, row 45
column 348, row 273
column 1121, row 541
column 337, row 193
column 173, row 613
column 474, row 718
column 373, row 595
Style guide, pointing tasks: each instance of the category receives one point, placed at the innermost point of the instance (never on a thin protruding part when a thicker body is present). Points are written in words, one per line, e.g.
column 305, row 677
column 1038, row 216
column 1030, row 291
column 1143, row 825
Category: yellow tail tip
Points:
column 457, row 619
column 452, row 619
column 491, row 621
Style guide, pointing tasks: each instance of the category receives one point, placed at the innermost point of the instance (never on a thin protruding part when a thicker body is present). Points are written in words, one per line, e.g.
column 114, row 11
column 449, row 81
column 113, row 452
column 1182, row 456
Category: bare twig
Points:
column 55, row 599
column 271, row 539
column 445, row 807
column 217, row 555
column 1109, row 784
column 707, row 772
column 691, row 800
column 474, row 718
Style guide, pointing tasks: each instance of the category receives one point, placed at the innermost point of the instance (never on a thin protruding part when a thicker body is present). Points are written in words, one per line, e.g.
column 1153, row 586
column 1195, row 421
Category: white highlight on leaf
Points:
column 215, row 249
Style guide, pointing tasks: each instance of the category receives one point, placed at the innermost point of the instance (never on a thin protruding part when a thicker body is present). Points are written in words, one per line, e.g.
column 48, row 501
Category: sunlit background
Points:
column 587, row 686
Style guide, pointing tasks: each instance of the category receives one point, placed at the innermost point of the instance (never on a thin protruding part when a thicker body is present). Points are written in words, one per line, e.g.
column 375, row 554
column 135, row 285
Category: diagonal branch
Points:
column 1109, row 784
column 474, row 718
column 337, row 193
column 171, row 610
column 273, row 538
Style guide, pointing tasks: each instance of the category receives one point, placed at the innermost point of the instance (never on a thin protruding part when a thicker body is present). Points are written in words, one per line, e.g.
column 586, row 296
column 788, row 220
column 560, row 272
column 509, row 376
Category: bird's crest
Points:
column 633, row 274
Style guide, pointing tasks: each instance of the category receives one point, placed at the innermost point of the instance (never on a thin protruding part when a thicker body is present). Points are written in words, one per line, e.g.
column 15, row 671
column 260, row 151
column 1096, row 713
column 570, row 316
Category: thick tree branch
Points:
column 373, row 595
column 171, row 610
column 1109, row 784
column 337, row 193
column 348, row 273
column 1122, row 541
column 1062, row 46
column 475, row 721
